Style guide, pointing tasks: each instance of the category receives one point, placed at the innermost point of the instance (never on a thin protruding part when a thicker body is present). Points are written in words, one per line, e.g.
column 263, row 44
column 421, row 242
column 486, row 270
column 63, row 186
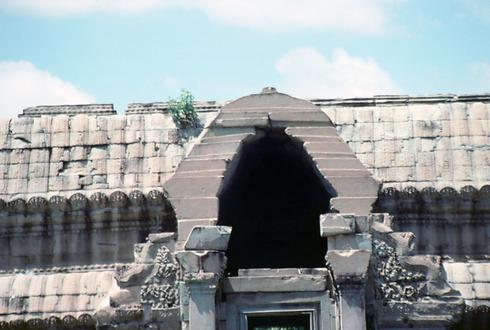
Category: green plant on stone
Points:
column 182, row 110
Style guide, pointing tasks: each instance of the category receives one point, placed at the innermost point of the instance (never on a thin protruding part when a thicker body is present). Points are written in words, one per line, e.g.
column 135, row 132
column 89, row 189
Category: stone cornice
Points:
column 70, row 110
column 390, row 100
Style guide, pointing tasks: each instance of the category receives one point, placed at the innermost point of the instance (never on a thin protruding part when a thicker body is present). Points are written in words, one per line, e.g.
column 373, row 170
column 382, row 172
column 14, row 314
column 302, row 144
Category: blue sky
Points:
column 122, row 51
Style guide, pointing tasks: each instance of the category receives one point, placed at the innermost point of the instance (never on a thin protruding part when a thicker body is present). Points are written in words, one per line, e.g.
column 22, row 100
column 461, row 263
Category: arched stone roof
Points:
column 193, row 189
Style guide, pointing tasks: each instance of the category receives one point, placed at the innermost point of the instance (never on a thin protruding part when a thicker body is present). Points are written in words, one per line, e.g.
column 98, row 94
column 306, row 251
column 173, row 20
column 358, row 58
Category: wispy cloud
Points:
column 359, row 16
column 479, row 8
column 308, row 73
column 23, row 85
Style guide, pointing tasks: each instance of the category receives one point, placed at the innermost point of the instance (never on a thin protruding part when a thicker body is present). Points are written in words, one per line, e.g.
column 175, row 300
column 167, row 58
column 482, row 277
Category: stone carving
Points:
column 160, row 290
column 393, row 281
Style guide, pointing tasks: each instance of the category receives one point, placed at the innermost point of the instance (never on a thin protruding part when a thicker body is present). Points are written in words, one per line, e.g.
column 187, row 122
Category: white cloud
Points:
column 362, row 16
column 23, row 85
column 306, row 72
column 367, row 16
column 60, row 8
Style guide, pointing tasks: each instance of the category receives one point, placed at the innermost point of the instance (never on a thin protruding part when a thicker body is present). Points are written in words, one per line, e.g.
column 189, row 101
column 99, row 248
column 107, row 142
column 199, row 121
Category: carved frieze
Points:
column 392, row 280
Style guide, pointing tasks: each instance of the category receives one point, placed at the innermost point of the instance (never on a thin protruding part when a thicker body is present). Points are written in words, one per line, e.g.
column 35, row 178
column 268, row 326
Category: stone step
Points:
column 339, row 163
column 214, row 148
column 193, row 187
column 313, row 147
column 206, row 164
column 195, row 208
column 315, row 131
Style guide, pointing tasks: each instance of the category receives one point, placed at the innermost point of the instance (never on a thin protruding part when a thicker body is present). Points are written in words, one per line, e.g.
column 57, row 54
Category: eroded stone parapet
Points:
column 349, row 265
column 208, row 238
column 332, row 224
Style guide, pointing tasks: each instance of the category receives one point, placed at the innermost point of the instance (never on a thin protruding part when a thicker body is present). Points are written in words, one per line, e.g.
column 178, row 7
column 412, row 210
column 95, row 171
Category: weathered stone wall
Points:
column 421, row 142
column 65, row 154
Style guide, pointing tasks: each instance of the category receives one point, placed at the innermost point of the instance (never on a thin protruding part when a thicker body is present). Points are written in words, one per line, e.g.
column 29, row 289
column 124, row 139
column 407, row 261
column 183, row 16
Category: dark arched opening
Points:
column 272, row 196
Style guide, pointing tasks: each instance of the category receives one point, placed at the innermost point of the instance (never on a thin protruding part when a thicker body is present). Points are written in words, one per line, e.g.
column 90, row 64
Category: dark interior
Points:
column 272, row 197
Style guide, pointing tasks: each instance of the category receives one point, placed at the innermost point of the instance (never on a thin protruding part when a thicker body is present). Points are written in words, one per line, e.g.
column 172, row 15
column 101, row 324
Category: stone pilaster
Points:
column 349, row 253
column 202, row 261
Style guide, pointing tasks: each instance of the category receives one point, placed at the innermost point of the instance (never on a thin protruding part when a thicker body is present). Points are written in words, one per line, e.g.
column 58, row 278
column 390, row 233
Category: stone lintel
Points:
column 282, row 271
column 208, row 238
column 275, row 283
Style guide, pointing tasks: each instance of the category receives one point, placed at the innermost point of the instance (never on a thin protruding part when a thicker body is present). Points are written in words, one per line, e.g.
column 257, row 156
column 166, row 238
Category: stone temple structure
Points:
column 277, row 213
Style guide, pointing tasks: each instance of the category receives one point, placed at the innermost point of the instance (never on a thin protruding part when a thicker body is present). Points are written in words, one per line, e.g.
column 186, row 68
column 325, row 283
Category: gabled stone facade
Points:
column 278, row 211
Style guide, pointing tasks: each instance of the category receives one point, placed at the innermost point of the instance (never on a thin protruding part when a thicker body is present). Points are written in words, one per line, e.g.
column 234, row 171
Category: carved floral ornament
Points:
column 161, row 289
column 392, row 280
column 80, row 202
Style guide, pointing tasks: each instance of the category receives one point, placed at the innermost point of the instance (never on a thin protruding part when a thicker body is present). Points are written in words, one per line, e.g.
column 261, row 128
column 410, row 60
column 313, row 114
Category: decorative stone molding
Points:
column 84, row 321
column 430, row 205
column 58, row 270
column 21, row 217
column 447, row 222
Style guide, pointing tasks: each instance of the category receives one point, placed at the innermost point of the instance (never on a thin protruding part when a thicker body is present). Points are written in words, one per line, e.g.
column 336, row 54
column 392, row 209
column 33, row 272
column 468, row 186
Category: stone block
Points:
column 208, row 238
column 37, row 185
column 332, row 224
column 348, row 263
column 158, row 238
column 350, row 242
column 317, row 147
column 185, row 226
column 98, row 137
column 195, row 208
column 458, row 272
column 189, row 261
column 355, row 186
column 311, row 131
column 201, row 261
column 125, row 296
column 135, row 150
column 241, row 122
column 215, row 148
column 339, row 163
column 193, row 187
column 202, row 165
column 134, row 275
column 304, row 283
column 299, row 117
column 404, row 242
